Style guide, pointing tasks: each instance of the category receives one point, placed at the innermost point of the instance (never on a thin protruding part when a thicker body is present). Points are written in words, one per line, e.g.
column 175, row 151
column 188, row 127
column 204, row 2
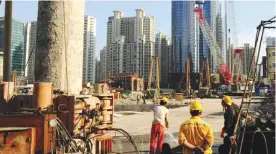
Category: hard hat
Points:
column 164, row 99
column 227, row 100
column 196, row 106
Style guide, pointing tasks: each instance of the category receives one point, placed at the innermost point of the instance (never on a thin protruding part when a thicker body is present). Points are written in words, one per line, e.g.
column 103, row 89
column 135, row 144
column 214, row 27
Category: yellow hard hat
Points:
column 164, row 99
column 196, row 106
column 227, row 100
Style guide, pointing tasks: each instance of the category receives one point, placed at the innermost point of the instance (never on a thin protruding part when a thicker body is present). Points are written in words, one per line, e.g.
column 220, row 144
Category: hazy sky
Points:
column 248, row 15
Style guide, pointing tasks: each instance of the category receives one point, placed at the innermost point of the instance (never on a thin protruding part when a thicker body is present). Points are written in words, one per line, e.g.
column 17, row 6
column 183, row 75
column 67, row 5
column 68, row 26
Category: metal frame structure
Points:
column 157, row 83
column 205, row 67
column 187, row 76
column 248, row 92
column 237, row 64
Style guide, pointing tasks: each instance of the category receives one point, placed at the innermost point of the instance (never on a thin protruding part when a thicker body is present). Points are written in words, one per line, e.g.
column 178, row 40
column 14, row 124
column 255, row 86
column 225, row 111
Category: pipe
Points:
column 7, row 40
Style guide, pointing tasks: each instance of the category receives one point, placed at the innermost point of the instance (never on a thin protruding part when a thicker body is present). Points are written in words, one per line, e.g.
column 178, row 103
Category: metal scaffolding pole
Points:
column 7, row 40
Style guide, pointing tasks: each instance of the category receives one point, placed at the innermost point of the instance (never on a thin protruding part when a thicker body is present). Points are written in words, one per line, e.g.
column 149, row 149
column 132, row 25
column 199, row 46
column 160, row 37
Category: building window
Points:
column 273, row 65
column 273, row 53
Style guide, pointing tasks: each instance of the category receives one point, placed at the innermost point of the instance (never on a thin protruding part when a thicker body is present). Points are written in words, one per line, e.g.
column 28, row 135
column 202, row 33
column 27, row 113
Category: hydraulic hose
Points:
column 126, row 134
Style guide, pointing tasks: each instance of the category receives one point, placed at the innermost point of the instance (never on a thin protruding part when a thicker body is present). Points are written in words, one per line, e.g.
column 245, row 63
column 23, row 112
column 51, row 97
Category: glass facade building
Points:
column 204, row 51
column 183, row 35
column 17, row 45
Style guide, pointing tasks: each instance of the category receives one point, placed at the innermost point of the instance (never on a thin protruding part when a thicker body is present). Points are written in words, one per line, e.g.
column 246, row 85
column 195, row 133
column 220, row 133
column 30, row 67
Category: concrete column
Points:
column 54, row 32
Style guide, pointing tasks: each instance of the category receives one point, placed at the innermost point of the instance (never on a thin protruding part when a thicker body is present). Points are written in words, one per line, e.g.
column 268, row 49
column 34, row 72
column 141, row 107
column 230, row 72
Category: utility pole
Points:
column 7, row 40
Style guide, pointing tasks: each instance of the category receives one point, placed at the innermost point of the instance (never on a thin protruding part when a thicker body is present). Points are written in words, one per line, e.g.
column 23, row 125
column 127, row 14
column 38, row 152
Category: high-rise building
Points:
column 163, row 51
column 130, row 43
column 98, row 70
column 247, row 55
column 271, row 61
column 30, row 41
column 219, row 30
column 103, row 63
column 184, row 36
column 271, row 41
column 89, row 46
column 17, row 45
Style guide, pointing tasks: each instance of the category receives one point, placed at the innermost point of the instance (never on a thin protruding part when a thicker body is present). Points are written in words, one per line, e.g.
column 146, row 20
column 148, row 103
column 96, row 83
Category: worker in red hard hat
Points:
column 159, row 123
column 196, row 135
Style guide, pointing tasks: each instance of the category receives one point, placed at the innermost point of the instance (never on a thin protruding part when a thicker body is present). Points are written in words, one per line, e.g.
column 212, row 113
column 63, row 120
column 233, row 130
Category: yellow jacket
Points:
column 196, row 132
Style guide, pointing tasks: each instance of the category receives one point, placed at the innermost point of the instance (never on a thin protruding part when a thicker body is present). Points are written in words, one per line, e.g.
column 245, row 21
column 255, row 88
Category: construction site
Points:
column 59, row 114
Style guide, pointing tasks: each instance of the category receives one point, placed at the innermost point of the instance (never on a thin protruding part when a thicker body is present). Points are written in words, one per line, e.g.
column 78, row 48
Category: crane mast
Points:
column 218, row 62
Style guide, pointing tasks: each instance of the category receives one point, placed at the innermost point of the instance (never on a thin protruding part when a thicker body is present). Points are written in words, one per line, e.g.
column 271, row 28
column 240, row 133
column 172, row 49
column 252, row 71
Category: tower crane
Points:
column 214, row 47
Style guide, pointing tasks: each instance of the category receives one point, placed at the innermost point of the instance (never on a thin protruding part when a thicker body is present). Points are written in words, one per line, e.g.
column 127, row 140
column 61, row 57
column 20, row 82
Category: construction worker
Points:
column 231, row 111
column 159, row 123
column 196, row 135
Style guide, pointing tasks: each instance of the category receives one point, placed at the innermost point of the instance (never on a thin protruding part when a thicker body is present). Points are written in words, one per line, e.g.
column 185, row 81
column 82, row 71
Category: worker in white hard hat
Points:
column 195, row 135
column 159, row 124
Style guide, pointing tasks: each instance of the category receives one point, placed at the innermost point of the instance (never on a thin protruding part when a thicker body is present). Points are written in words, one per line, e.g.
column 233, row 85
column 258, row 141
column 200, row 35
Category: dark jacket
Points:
column 230, row 119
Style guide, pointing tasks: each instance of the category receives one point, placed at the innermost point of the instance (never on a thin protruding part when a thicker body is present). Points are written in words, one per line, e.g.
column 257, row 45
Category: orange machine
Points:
column 62, row 122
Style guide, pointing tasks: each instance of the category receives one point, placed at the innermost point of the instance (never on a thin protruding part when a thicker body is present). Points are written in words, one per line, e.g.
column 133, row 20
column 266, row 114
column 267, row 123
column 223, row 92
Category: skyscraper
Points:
column 130, row 43
column 184, row 35
column 17, row 45
column 247, row 55
column 30, row 41
column 163, row 51
column 89, row 45
column 98, row 70
column 219, row 29
column 103, row 63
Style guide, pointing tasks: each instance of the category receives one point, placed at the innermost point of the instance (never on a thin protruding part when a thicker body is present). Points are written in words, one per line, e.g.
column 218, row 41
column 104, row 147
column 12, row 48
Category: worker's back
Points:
column 196, row 132
column 159, row 114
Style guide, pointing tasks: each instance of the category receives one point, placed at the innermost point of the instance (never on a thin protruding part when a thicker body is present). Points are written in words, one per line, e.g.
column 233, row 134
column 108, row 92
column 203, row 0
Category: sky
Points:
column 248, row 15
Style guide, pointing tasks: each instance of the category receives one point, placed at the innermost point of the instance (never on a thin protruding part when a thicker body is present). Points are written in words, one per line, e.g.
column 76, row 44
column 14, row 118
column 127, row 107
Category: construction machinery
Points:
column 216, row 52
column 153, row 93
column 204, row 91
column 257, row 134
column 237, row 65
column 185, row 77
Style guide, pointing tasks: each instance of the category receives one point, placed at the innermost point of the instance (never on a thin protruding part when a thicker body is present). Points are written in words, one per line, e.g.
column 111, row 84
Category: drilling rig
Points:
column 153, row 93
column 204, row 91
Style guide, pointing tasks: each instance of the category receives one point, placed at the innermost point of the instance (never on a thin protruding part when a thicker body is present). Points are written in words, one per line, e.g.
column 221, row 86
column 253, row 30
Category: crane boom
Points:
column 214, row 47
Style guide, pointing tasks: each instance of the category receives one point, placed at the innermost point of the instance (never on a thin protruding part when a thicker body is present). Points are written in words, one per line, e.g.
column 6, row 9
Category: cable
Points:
column 254, row 139
column 126, row 135
column 29, row 57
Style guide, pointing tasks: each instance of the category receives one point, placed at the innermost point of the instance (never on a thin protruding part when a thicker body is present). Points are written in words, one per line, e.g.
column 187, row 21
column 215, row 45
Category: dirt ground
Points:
column 138, row 124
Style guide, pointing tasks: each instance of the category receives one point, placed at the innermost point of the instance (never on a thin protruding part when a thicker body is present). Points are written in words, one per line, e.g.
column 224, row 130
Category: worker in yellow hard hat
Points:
column 196, row 135
column 231, row 111
column 159, row 123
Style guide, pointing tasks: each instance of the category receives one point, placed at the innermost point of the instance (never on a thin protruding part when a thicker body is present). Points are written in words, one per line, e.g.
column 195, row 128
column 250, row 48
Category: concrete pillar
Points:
column 54, row 32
